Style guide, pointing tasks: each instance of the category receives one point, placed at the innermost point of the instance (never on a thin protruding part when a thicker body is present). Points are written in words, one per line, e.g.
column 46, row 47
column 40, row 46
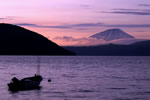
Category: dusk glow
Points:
column 75, row 49
column 78, row 19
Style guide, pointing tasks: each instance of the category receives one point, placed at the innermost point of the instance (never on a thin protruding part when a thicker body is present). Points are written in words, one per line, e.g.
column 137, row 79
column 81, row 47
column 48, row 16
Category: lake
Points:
column 79, row 77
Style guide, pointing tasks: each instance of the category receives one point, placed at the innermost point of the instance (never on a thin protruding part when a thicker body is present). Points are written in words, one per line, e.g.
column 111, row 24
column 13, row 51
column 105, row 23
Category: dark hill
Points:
column 15, row 40
column 136, row 49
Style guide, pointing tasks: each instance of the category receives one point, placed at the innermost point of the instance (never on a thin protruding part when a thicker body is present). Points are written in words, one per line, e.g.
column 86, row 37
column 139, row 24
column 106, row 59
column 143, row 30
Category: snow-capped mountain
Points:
column 112, row 34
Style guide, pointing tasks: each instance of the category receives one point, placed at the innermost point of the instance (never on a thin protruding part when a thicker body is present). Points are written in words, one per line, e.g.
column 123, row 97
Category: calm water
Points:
column 79, row 78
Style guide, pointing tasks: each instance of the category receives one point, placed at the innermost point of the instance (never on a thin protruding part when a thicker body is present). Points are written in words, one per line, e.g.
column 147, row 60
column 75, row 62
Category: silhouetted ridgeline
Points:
column 15, row 40
column 136, row 49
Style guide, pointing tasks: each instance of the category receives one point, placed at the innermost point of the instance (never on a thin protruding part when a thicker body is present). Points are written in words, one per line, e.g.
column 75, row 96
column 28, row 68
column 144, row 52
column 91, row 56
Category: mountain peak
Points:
column 115, row 29
column 112, row 34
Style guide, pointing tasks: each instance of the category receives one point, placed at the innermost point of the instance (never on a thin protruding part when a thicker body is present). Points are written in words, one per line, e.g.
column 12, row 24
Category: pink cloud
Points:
column 70, row 41
column 67, row 40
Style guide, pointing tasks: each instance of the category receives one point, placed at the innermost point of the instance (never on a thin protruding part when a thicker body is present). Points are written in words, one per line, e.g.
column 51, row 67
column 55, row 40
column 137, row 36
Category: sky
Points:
column 70, row 22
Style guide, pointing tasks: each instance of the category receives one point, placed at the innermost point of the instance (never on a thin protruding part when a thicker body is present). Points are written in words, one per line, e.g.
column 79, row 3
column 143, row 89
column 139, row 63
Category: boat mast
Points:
column 38, row 65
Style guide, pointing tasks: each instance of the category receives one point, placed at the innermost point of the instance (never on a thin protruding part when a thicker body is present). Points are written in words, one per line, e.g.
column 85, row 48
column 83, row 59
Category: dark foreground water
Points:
column 79, row 78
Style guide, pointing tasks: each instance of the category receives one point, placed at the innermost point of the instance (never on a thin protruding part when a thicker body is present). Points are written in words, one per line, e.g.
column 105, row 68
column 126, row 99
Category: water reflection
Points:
column 79, row 78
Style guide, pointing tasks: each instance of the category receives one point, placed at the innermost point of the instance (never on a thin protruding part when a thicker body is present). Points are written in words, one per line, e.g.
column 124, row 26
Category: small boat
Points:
column 27, row 83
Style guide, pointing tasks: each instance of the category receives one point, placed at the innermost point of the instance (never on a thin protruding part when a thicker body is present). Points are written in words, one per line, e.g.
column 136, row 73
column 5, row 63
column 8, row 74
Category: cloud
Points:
column 86, row 26
column 2, row 18
column 127, row 41
column 7, row 18
column 81, row 26
column 144, row 5
column 85, row 6
column 130, row 25
column 124, row 9
column 129, row 11
column 140, row 31
column 43, row 26
column 61, row 26
column 70, row 41
column 27, row 24
column 67, row 40
column 82, row 29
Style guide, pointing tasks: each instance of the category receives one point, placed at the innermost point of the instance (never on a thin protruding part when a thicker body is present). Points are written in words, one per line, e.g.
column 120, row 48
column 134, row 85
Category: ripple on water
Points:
column 117, row 88
column 68, row 76
column 53, row 92
column 84, row 91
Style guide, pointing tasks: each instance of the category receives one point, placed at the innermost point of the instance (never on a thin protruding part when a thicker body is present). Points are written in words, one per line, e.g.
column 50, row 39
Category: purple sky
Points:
column 78, row 18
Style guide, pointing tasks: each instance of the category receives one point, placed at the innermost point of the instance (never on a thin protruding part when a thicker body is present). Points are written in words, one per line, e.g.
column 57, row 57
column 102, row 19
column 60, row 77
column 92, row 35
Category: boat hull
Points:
column 25, row 84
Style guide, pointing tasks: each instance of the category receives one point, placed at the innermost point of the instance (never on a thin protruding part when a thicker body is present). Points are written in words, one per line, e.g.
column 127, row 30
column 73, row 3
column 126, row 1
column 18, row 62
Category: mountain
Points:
column 15, row 40
column 135, row 49
column 112, row 34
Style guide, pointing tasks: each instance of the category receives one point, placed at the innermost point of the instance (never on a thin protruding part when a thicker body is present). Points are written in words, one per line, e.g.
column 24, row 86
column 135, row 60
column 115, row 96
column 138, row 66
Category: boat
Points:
column 27, row 83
